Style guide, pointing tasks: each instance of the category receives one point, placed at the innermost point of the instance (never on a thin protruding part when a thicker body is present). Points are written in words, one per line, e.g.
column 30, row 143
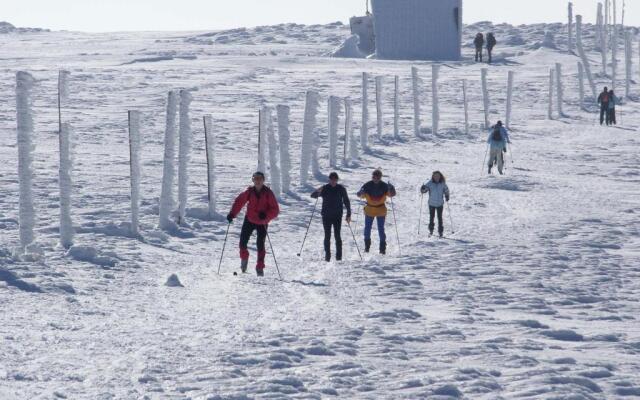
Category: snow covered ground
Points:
column 536, row 295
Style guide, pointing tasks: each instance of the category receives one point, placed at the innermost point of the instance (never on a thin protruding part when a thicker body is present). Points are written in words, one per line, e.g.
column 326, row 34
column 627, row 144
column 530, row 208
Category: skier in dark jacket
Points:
column 603, row 100
column 262, row 209
column 375, row 192
column 334, row 196
column 611, row 112
column 491, row 43
column 478, row 42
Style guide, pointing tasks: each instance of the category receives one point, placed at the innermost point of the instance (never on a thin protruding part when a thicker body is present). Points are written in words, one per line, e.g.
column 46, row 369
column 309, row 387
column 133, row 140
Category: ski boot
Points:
column 383, row 248
column 260, row 271
column 327, row 257
column 367, row 245
column 243, row 266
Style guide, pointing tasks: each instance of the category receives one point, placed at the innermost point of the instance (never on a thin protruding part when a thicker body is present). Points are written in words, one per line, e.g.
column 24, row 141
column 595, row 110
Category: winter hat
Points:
column 378, row 173
column 499, row 123
column 334, row 175
column 258, row 174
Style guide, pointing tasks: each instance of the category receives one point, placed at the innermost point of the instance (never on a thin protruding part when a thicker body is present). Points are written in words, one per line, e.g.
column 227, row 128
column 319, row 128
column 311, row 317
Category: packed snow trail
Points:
column 535, row 296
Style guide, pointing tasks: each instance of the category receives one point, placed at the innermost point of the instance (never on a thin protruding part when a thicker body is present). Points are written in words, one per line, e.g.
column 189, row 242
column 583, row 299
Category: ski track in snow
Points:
column 535, row 296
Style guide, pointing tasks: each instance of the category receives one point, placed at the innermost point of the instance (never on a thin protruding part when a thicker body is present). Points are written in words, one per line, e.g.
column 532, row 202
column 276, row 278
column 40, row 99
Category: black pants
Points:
column 604, row 111
column 336, row 224
column 432, row 214
column 490, row 52
column 245, row 235
column 479, row 54
column 611, row 116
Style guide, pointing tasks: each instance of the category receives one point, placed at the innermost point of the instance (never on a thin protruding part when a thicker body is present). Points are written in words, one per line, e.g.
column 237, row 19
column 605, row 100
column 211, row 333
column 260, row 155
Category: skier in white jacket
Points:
column 498, row 139
column 438, row 193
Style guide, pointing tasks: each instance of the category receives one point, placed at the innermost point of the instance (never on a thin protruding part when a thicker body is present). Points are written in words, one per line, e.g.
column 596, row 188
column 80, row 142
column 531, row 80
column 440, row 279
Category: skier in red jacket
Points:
column 262, row 209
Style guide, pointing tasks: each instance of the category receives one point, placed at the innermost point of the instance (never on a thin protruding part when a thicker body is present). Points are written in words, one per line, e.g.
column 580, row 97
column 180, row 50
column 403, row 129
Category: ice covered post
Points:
column 614, row 56
column 628, row 55
column 364, row 127
column 24, row 123
column 583, row 56
column 379, row 105
column 602, row 38
column 184, row 153
column 435, row 105
column 66, row 164
column 334, row 121
column 552, row 74
column 485, row 96
column 510, row 77
column 167, row 200
column 284, row 136
column 308, row 135
column 559, row 89
column 135, row 169
column 415, row 79
column 352, row 152
column 465, row 100
column 274, row 168
column 581, row 84
column 396, row 108
column 209, row 143
column 570, row 28
column 262, row 142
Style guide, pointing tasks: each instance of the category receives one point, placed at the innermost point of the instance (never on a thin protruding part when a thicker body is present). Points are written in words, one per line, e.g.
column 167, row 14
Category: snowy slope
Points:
column 536, row 295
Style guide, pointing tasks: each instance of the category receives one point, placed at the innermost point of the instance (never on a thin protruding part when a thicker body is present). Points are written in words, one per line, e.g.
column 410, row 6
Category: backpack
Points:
column 496, row 136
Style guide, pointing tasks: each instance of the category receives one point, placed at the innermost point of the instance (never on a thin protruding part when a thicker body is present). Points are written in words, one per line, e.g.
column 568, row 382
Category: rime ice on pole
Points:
column 284, row 136
column 136, row 169
column 308, row 135
column 24, row 86
column 167, row 200
column 334, row 120
column 379, row 118
column 415, row 80
column 364, row 127
column 485, row 97
column 274, row 169
column 66, row 165
column 184, row 153
column 435, row 111
column 211, row 165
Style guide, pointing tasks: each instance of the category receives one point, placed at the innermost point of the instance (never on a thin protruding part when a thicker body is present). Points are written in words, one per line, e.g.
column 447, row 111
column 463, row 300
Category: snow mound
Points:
column 6, row 27
column 349, row 49
column 173, row 281
column 92, row 255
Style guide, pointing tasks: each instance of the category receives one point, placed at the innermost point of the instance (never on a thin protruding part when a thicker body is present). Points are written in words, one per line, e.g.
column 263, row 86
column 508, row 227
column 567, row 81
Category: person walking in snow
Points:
column 262, row 208
column 478, row 42
column 603, row 100
column 438, row 193
column 498, row 139
column 611, row 108
column 491, row 43
column 376, row 192
column 334, row 196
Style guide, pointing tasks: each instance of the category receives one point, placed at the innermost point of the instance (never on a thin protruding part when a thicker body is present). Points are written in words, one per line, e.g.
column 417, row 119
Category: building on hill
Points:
column 417, row 29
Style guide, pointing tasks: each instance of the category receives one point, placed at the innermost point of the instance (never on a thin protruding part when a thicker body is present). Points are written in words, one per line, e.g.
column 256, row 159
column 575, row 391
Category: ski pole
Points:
column 484, row 161
column 395, row 224
column 420, row 219
column 275, row 260
column 450, row 218
column 308, row 226
column 223, row 246
column 355, row 241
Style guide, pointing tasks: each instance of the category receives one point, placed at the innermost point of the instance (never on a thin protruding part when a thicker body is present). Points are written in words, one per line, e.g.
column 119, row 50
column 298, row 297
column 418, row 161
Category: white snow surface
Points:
column 536, row 295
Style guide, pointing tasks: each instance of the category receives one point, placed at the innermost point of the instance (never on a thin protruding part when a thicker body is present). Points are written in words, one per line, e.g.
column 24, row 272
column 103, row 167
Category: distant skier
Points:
column 334, row 196
column 376, row 192
column 491, row 43
column 603, row 100
column 478, row 42
column 262, row 209
column 438, row 193
column 611, row 108
column 498, row 139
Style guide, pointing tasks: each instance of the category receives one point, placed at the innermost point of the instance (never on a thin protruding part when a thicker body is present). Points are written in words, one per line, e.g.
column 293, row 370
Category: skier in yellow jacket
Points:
column 375, row 192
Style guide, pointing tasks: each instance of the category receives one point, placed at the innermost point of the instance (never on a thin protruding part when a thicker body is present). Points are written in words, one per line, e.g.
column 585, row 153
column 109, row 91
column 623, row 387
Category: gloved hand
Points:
column 348, row 219
column 230, row 217
column 505, row 150
column 447, row 198
column 423, row 189
column 262, row 215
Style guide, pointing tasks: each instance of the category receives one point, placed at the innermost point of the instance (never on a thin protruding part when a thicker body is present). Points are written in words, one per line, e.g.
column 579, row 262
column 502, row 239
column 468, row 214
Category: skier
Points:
column 479, row 43
column 333, row 196
column 375, row 192
column 603, row 100
column 438, row 193
column 611, row 108
column 262, row 209
column 491, row 43
column 498, row 139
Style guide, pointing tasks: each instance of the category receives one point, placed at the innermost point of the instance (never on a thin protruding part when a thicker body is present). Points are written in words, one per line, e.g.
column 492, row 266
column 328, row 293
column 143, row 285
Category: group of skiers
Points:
column 608, row 102
column 262, row 205
column 479, row 43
